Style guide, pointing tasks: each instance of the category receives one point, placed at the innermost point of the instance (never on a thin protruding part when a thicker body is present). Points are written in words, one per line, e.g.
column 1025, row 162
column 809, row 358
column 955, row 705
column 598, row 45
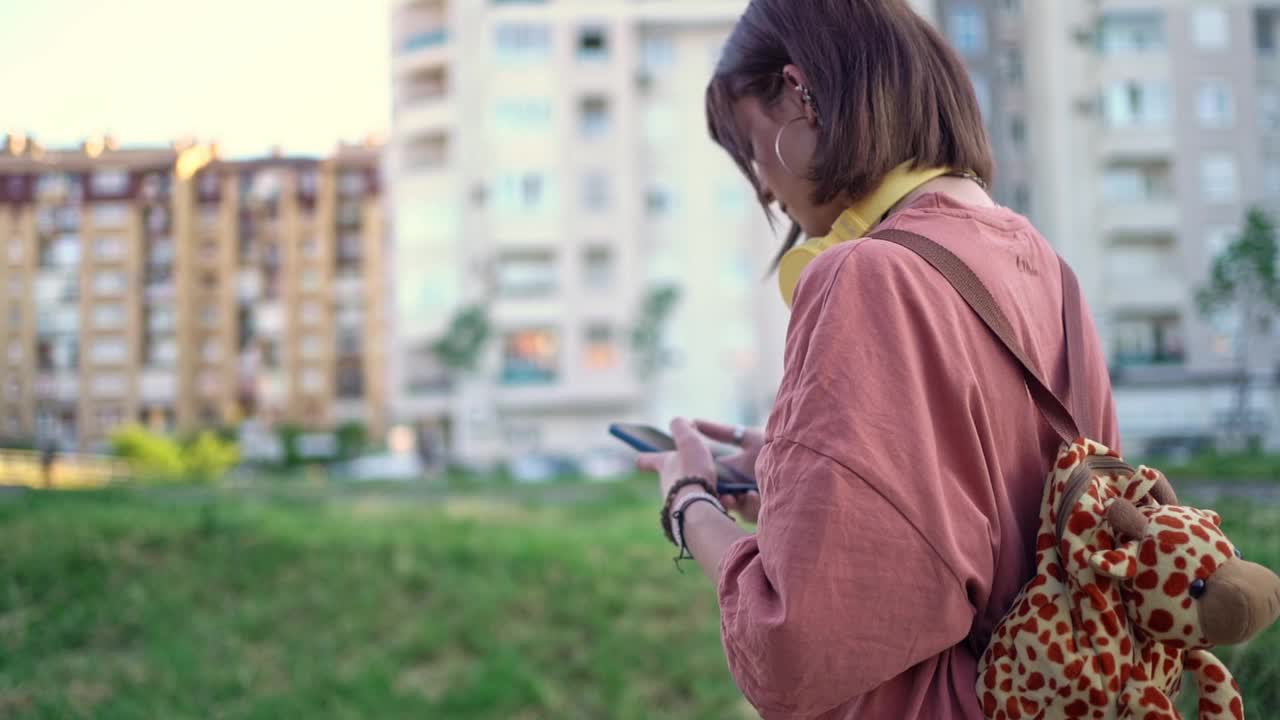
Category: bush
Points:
column 159, row 458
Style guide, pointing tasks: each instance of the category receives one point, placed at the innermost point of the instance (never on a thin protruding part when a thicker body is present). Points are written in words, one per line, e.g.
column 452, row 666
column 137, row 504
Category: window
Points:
column 516, row 43
column 109, row 352
column 424, row 40
column 162, row 353
column 1271, row 176
column 211, row 350
column 352, row 182
column 108, row 248
column 1215, row 104
column 350, row 378
column 309, row 182
column 311, row 313
column 312, row 380
column 209, row 316
column 1022, row 200
column 968, row 29
column 600, row 350
column 1218, row 178
column 1209, row 27
column 311, row 248
column 1011, row 65
column 12, row 389
column 160, row 318
column 1147, row 340
column 1136, row 104
column 309, row 281
column 595, row 191
column 1011, row 7
column 1136, row 183
column 110, row 215
column 1018, row 130
column 527, row 274
column 350, row 213
column 15, row 251
column 530, row 357
column 157, row 219
column 659, row 201
column 982, row 90
column 1269, row 110
column 594, row 117
column 593, row 44
column 209, row 182
column 597, row 268
column 518, row 116
column 1218, row 239
column 1265, row 20
column 523, row 192
column 108, row 316
column 1131, row 32
column 108, row 282
column 15, row 352
column 311, row 346
column 108, row 385
column 657, row 53
column 63, row 252
column 659, row 123
column 110, row 182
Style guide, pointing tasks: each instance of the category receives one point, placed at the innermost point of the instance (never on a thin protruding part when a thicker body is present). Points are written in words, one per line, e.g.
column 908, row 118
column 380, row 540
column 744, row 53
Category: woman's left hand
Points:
column 692, row 457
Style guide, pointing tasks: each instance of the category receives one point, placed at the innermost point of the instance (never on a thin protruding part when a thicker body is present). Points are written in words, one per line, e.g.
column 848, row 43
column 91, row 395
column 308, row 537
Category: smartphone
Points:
column 650, row 439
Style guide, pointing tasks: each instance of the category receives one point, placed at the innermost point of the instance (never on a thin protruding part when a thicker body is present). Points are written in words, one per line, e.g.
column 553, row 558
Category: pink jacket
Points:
column 902, row 475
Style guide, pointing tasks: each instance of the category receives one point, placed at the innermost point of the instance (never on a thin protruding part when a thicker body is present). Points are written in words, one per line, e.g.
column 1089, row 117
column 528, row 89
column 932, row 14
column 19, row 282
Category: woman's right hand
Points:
column 744, row 462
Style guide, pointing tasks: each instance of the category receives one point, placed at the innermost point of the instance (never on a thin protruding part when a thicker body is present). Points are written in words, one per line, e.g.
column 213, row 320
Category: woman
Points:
column 903, row 463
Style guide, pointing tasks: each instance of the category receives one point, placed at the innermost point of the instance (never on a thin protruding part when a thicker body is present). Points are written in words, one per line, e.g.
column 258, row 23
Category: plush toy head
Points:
column 1185, row 583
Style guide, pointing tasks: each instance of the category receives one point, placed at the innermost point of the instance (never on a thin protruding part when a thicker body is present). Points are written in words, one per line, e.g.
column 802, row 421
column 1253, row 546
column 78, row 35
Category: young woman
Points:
column 903, row 463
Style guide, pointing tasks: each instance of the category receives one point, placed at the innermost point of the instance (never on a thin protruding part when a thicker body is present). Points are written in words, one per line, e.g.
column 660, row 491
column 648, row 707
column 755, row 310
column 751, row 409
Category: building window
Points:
column 600, row 349
column 424, row 40
column 968, row 29
column 519, row 116
column 595, row 191
column 108, row 316
column 1022, row 200
column 1215, row 104
column 311, row 313
column 523, row 192
column 1271, row 176
column 1147, row 340
column 593, row 44
column 516, row 43
column 209, row 316
column 1011, row 7
column 312, row 380
column 110, row 182
column 109, row 282
column 108, row 385
column 108, row 249
column 15, row 251
column 657, row 52
column 1136, row 104
column 982, row 91
column 659, row 201
column 527, row 274
column 1219, row 181
column 15, row 352
column 1136, row 183
column 350, row 378
column 309, row 281
column 1265, row 20
column 311, row 346
column 597, row 268
column 530, row 357
column 1131, row 32
column 352, row 182
column 211, row 350
column 1018, row 131
column 594, row 117
column 109, row 352
column 348, row 248
column 1011, row 65
column 1210, row 29
column 110, row 215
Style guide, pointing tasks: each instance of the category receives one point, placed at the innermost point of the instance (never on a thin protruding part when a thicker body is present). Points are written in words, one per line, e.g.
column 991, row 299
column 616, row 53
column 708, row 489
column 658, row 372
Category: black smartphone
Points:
column 650, row 439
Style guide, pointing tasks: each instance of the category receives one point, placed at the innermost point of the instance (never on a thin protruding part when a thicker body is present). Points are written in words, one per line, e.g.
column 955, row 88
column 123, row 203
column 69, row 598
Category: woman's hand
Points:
column 750, row 441
column 691, row 458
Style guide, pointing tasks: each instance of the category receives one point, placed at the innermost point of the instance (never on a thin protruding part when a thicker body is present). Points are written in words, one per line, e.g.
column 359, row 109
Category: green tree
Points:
column 1243, row 283
column 460, row 348
column 646, row 336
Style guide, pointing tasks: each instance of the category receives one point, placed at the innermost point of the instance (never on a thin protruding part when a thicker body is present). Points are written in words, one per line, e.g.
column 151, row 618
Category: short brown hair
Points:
column 888, row 88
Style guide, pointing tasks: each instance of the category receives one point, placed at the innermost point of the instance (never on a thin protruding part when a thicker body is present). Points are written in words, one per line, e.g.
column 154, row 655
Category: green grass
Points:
column 1223, row 467
column 383, row 602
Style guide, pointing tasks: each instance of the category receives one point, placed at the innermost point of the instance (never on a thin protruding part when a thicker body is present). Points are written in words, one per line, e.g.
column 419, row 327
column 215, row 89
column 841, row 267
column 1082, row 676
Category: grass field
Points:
column 558, row 602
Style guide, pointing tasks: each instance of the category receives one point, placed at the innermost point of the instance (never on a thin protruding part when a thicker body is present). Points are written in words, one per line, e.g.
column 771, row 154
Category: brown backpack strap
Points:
column 1077, row 364
column 963, row 279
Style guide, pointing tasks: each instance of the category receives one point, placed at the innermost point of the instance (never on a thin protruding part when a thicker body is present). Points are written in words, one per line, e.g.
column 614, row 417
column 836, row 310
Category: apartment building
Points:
column 171, row 287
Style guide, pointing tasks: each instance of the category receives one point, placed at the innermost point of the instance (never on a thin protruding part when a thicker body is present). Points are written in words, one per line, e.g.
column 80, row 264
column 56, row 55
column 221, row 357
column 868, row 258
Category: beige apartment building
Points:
column 175, row 288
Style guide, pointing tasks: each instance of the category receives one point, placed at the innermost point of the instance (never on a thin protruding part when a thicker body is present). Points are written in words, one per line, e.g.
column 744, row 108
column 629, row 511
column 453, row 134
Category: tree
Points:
column 1243, row 282
column 459, row 350
column 646, row 336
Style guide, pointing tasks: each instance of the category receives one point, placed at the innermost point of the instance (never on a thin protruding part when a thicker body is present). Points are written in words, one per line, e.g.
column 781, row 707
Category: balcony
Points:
column 428, row 48
column 1148, row 280
column 425, row 116
column 1136, row 144
column 1152, row 216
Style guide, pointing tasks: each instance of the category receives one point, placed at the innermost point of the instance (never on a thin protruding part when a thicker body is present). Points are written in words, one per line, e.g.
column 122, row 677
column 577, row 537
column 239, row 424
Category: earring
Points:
column 777, row 145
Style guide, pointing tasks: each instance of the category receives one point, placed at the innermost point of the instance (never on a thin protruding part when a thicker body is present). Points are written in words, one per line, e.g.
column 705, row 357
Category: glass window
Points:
column 109, row 282
column 982, row 90
column 108, row 316
column 1011, row 65
column 527, row 274
column 1215, row 104
column 312, row 380
column 15, row 251
column 594, row 116
column 530, row 356
column 1219, row 181
column 968, row 29
column 1265, row 20
column 1136, row 183
column 1147, row 340
column 598, row 270
column 211, row 350
column 524, row 193
column 516, row 43
column 311, row 346
column 657, row 52
column 109, row 351
column 108, row 384
column 110, row 215
column 595, row 191
column 1210, row 29
column 424, row 40
column 352, row 182
column 600, row 349
column 1131, row 32
column 1018, row 130
column 593, row 44
column 110, row 182
column 522, row 115
column 108, row 248
column 1269, row 110
column 1131, row 103
column 659, row 201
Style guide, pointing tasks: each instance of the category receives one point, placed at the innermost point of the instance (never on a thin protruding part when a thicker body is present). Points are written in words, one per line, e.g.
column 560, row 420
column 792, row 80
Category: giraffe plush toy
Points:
column 1129, row 590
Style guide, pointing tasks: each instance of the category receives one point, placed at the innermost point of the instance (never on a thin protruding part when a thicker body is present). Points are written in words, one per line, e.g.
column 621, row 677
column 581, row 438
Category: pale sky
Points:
column 250, row 74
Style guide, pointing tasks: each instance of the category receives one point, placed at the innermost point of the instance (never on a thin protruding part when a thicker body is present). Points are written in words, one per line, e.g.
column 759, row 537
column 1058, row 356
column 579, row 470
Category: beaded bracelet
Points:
column 679, row 515
column 679, row 485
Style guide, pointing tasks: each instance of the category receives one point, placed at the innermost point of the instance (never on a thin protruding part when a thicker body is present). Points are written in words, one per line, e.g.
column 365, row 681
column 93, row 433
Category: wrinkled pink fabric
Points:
column 902, row 474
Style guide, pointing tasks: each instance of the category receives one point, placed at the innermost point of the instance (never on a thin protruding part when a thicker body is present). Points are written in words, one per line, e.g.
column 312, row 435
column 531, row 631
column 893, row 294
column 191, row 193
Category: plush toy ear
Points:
column 1120, row 563
column 1126, row 519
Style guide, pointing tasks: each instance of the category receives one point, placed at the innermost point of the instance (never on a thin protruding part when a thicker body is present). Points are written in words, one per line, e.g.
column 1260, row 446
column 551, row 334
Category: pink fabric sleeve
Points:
column 868, row 546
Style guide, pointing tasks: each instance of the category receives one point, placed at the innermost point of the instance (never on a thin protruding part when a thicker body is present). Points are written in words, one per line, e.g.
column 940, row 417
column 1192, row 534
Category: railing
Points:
column 27, row 468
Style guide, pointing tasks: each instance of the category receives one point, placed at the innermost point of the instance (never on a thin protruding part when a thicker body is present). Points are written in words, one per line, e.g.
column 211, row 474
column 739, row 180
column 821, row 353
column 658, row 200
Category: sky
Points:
column 249, row 74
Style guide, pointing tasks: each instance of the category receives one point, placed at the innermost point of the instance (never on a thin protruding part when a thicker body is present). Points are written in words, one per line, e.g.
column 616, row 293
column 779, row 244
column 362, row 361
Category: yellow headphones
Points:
column 853, row 223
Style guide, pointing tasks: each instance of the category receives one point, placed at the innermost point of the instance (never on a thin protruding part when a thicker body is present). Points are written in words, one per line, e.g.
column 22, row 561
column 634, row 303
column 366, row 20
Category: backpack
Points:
column 1130, row 588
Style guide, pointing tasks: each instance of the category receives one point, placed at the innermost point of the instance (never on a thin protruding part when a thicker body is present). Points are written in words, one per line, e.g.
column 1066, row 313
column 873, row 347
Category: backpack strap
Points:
column 978, row 297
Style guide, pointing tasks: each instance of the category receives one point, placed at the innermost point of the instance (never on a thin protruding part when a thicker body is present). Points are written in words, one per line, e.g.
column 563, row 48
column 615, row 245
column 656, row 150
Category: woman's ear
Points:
column 799, row 89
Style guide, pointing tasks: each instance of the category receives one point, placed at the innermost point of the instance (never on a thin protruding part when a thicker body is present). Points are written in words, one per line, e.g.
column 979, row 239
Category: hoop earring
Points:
column 777, row 145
